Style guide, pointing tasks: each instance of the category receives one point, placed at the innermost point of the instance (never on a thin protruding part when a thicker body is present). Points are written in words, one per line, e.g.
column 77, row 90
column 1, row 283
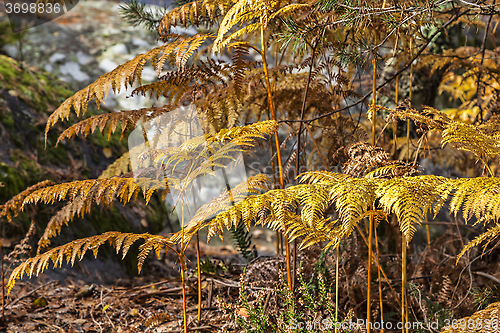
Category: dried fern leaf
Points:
column 98, row 191
column 226, row 200
column 471, row 138
column 119, row 167
column 12, row 207
column 410, row 198
column 126, row 119
column 483, row 321
column 126, row 74
column 62, row 217
column 157, row 319
column 486, row 236
column 78, row 248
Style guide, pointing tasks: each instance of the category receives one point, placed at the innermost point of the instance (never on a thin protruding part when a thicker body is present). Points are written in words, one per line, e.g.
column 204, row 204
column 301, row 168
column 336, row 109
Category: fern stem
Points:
column 278, row 150
column 337, row 288
column 199, row 274
column 183, row 278
column 427, row 230
column 370, row 225
column 404, row 305
column 370, row 258
column 381, row 269
column 409, row 97
column 488, row 168
column 198, row 260
column 379, row 282
column 374, row 92
column 395, row 120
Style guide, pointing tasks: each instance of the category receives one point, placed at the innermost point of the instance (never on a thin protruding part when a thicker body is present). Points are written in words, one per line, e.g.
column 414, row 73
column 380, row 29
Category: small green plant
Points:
column 484, row 297
column 214, row 267
column 253, row 318
column 242, row 240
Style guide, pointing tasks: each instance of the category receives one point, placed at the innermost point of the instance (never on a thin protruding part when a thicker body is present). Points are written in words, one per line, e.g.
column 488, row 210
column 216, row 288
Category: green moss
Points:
column 35, row 88
column 12, row 180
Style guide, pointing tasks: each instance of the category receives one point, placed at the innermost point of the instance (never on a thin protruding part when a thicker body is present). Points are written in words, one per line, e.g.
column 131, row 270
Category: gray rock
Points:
column 56, row 57
column 73, row 69
column 83, row 58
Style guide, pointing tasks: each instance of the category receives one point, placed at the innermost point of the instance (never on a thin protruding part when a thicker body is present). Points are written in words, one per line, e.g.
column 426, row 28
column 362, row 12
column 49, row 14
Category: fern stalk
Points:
column 370, row 225
column 379, row 283
column 297, row 157
column 337, row 288
column 395, row 120
column 183, row 277
column 404, row 305
column 278, row 150
column 199, row 274
column 409, row 97
column 370, row 258
column 198, row 261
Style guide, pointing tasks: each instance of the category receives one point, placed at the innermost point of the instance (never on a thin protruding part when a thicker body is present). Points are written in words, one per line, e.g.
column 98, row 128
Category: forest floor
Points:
column 146, row 303
column 439, row 290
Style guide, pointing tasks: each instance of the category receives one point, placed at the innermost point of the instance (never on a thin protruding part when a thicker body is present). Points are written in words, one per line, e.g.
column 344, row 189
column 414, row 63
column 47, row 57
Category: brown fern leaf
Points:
column 157, row 319
column 98, row 191
column 240, row 64
column 12, row 207
column 126, row 74
column 486, row 320
column 225, row 201
column 428, row 118
column 119, row 167
column 127, row 120
column 194, row 13
column 410, row 198
column 471, row 138
column 78, row 248
column 486, row 236
column 62, row 217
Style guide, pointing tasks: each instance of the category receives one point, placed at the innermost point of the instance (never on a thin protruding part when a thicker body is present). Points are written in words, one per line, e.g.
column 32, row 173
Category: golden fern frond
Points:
column 98, row 191
column 78, row 248
column 429, row 117
column 11, row 208
column 487, row 321
column 352, row 198
column 486, row 236
column 273, row 207
column 314, row 200
column 187, row 49
column 156, row 319
column 323, row 231
column 471, row 138
column 252, row 131
column 398, row 169
column 468, row 137
column 192, row 12
column 127, row 120
column 477, row 197
column 126, row 74
column 119, row 167
column 62, row 217
column 410, row 198
column 209, row 151
column 321, row 177
column 244, row 11
column 224, row 201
